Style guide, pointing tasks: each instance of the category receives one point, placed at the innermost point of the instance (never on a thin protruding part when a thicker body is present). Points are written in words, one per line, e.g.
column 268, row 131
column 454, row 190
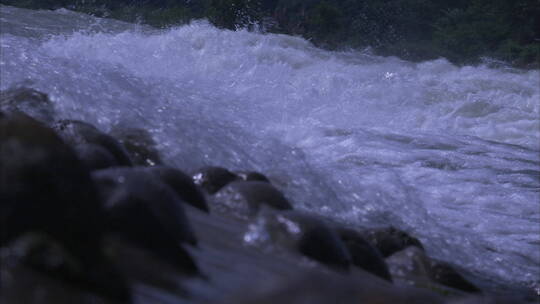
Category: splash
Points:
column 450, row 154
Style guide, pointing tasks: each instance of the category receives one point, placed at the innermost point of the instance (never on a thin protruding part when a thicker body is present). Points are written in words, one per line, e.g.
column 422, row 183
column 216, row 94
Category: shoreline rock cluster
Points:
column 86, row 215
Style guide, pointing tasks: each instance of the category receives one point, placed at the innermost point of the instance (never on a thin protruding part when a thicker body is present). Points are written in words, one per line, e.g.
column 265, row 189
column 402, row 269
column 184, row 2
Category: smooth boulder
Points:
column 363, row 254
column 146, row 212
column 29, row 101
column 245, row 198
column 301, row 233
column 390, row 240
column 44, row 187
column 57, row 273
column 251, row 176
column 93, row 146
column 212, row 179
column 182, row 184
column 445, row 274
column 413, row 264
column 139, row 144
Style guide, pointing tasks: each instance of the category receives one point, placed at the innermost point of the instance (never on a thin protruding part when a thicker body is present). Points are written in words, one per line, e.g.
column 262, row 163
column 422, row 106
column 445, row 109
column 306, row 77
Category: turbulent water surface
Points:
column 450, row 154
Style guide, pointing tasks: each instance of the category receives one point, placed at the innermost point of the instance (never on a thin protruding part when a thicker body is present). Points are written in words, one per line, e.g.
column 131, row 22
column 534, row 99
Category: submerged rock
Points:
column 212, row 179
column 94, row 147
column 44, row 187
column 445, row 274
column 363, row 254
column 390, row 240
column 29, row 101
column 321, row 243
column 36, row 257
column 302, row 233
column 413, row 264
column 251, row 176
column 410, row 262
column 96, row 157
column 246, row 198
column 148, row 213
column 139, row 144
column 182, row 184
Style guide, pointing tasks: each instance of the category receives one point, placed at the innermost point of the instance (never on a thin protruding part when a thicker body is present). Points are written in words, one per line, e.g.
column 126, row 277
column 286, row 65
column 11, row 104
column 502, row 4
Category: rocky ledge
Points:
column 91, row 217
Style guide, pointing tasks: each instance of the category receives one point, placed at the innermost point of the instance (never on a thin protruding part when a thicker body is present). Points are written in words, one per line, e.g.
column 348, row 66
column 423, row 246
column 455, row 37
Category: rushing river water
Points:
column 450, row 154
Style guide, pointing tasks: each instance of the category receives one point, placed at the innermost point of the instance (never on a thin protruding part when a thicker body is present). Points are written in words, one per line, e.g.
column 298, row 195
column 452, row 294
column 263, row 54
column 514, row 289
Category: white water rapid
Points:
column 450, row 154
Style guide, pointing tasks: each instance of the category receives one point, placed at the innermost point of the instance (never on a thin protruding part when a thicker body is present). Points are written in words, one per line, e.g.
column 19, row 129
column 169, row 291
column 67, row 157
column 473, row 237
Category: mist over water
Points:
column 450, row 154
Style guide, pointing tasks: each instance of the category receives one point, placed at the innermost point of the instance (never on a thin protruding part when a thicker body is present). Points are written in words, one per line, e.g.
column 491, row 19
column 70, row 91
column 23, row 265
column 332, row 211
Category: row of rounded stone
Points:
column 66, row 184
column 244, row 194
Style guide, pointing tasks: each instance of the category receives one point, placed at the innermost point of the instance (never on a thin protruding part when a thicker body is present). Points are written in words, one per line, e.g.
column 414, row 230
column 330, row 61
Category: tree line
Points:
column 462, row 31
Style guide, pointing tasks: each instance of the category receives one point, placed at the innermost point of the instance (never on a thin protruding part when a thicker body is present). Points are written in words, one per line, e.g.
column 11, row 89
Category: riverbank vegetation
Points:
column 465, row 32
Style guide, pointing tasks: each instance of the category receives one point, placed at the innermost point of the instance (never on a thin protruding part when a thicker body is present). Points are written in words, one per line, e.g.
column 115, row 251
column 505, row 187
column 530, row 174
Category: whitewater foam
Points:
column 450, row 154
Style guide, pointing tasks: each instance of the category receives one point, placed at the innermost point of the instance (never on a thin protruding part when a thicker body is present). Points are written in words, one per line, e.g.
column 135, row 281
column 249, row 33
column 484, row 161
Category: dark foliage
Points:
column 462, row 31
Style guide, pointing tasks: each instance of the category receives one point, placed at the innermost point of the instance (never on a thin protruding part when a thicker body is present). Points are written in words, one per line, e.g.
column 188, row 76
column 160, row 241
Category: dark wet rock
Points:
column 363, row 254
column 412, row 263
column 252, row 176
column 212, row 179
column 87, row 140
column 22, row 285
column 29, row 101
column 182, row 184
column 246, row 198
column 44, row 187
column 443, row 273
column 321, row 244
column 35, row 252
column 139, row 144
column 390, row 240
column 148, row 213
column 303, row 233
column 95, row 157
